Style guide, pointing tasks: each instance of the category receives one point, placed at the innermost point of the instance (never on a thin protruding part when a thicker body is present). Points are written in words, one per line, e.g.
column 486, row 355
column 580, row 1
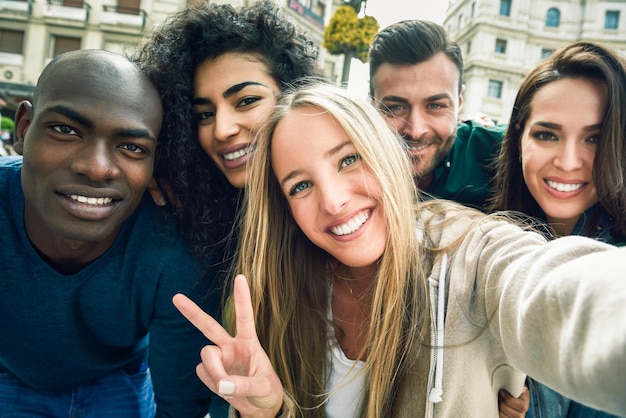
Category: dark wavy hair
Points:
column 587, row 60
column 203, row 200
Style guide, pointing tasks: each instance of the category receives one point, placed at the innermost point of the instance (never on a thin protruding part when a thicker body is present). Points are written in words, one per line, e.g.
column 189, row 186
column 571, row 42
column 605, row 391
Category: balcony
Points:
column 122, row 19
column 16, row 9
column 74, row 13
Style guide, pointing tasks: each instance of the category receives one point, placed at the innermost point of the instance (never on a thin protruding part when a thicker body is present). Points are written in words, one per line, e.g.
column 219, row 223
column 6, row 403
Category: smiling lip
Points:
column 92, row 208
column 353, row 225
column 564, row 189
column 235, row 157
column 416, row 147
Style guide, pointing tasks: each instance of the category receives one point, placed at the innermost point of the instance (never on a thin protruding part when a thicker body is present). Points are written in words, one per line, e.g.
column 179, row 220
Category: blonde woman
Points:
column 361, row 304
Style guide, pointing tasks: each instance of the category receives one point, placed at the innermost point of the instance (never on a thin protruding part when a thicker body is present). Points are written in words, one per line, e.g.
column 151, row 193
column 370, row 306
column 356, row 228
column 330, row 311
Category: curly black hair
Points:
column 204, row 202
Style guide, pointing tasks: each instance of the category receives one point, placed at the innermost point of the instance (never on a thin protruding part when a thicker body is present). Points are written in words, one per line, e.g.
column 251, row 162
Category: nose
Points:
column 96, row 161
column 226, row 125
column 569, row 157
column 415, row 126
column 333, row 197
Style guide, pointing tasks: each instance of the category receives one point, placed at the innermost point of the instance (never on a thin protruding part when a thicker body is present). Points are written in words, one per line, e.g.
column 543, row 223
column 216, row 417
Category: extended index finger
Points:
column 209, row 327
column 244, row 316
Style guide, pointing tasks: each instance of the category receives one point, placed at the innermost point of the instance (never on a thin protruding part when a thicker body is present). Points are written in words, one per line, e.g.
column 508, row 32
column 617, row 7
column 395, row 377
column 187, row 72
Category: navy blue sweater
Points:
column 60, row 331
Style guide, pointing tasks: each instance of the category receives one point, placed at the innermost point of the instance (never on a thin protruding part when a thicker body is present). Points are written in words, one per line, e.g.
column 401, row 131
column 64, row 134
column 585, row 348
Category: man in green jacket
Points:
column 416, row 80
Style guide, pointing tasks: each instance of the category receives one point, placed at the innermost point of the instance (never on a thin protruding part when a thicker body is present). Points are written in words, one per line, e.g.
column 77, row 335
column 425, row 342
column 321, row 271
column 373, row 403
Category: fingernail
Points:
column 226, row 387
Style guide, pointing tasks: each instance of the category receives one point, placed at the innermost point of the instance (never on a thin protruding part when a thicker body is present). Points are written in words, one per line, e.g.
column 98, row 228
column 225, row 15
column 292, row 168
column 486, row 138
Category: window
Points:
column 11, row 41
column 505, row 7
column 130, row 7
column 553, row 17
column 611, row 19
column 473, row 9
column 495, row 89
column 72, row 3
column 469, row 47
column 545, row 53
column 501, row 46
column 61, row 44
column 460, row 21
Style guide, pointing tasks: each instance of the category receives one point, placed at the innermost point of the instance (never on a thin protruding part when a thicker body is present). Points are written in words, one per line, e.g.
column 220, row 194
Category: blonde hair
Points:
column 290, row 278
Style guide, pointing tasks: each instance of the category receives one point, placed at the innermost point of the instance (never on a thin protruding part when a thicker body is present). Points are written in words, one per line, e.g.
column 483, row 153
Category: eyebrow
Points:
column 229, row 92
column 327, row 154
column 432, row 98
column 556, row 126
column 71, row 114
column 135, row 133
column 85, row 121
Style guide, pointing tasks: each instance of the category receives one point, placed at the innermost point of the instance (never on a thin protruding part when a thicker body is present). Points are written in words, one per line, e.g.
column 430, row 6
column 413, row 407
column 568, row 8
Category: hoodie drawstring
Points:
column 436, row 393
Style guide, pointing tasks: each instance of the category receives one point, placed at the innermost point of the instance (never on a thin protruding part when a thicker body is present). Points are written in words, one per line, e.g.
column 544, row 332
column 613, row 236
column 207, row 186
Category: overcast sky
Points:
column 390, row 11
column 387, row 12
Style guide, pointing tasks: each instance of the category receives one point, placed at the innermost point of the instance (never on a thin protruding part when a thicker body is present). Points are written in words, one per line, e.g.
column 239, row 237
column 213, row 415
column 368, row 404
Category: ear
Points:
column 23, row 117
column 461, row 95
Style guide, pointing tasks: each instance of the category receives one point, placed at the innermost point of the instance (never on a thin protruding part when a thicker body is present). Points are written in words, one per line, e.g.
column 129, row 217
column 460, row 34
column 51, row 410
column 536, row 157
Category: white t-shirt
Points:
column 344, row 388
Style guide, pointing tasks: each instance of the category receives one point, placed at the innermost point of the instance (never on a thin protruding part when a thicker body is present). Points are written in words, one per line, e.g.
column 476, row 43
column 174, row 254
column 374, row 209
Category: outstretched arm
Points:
column 236, row 368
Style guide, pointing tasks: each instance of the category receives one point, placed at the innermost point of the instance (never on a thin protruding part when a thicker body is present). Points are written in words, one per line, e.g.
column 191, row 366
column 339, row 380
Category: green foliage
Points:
column 346, row 33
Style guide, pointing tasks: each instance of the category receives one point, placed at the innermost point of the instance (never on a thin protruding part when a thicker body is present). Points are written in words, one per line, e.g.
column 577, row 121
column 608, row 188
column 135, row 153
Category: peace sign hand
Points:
column 236, row 368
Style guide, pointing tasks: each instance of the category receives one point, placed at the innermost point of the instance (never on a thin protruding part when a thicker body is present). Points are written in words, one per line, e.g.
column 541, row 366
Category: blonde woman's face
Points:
column 558, row 148
column 233, row 96
column 333, row 196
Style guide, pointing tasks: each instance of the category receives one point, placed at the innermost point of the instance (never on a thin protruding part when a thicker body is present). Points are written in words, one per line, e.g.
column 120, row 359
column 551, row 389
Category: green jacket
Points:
column 466, row 174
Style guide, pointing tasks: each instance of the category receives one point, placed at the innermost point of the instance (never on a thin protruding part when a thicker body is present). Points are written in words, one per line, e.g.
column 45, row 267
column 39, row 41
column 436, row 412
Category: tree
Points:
column 350, row 35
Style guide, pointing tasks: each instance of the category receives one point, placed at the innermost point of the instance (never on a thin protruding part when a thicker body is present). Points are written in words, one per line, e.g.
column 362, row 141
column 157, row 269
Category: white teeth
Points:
column 231, row 156
column 564, row 187
column 351, row 226
column 92, row 200
column 416, row 146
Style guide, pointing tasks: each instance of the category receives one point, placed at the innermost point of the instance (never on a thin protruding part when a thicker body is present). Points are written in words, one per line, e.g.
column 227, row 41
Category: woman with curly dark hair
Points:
column 219, row 71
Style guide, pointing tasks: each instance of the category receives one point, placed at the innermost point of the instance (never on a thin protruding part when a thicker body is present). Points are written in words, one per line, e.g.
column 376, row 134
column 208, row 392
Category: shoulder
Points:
column 10, row 168
column 10, row 163
column 446, row 223
column 475, row 132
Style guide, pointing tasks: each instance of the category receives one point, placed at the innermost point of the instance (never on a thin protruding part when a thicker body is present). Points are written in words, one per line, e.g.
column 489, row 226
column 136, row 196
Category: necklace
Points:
column 358, row 299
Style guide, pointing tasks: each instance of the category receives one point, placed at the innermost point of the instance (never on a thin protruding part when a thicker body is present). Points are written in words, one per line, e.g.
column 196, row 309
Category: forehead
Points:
column 307, row 129
column 218, row 74
column 416, row 81
column 105, row 95
column 579, row 98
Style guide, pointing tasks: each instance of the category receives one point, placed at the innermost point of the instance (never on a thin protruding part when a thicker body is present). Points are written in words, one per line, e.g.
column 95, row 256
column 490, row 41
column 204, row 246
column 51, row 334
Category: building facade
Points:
column 502, row 40
column 32, row 32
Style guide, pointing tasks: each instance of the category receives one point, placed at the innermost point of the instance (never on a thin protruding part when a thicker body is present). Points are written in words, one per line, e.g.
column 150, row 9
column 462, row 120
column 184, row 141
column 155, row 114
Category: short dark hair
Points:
column 412, row 42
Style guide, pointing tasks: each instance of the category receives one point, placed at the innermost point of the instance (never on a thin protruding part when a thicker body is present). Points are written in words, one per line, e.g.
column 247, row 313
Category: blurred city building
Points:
column 502, row 40
column 32, row 32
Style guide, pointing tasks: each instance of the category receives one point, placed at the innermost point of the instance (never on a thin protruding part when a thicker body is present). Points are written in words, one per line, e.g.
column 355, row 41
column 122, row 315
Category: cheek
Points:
column 206, row 140
column 301, row 215
column 445, row 126
column 141, row 174
column 395, row 122
column 589, row 157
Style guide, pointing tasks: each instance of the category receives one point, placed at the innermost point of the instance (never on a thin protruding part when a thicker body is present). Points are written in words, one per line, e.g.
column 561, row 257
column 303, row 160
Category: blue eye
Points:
column 349, row 160
column 394, row 109
column 299, row 187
